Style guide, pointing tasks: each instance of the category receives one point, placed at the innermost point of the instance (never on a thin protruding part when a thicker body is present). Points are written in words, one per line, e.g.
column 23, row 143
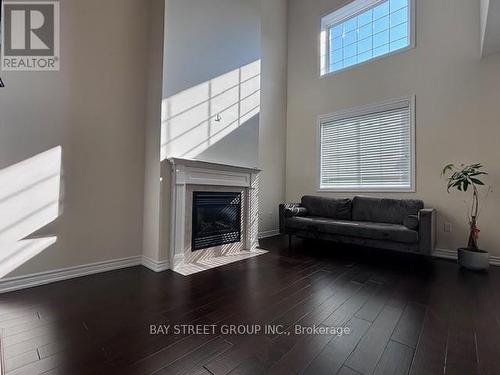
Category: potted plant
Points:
column 464, row 178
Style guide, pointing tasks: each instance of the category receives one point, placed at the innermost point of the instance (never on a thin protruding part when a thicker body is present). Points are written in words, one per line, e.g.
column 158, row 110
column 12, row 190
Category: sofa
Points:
column 393, row 224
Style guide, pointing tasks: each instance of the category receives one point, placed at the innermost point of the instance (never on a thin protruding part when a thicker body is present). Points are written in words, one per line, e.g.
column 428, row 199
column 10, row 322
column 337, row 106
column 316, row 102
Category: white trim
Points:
column 373, row 59
column 452, row 254
column 155, row 265
column 178, row 260
column 359, row 111
column 269, row 233
column 186, row 172
column 367, row 109
column 352, row 10
column 42, row 278
column 213, row 165
column 348, row 11
column 444, row 253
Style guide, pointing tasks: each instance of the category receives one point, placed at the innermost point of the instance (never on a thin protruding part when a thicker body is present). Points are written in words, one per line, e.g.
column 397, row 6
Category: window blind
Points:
column 371, row 150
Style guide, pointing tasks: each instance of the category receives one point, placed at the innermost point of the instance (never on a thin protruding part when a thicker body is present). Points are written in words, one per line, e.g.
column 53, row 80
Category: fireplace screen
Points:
column 216, row 219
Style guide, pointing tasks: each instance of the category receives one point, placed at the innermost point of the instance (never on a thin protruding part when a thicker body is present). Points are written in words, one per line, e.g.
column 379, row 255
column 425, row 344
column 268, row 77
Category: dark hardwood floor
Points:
column 406, row 316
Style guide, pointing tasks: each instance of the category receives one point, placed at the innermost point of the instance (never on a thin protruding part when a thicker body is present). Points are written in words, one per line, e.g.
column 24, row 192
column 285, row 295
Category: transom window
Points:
column 363, row 30
column 368, row 148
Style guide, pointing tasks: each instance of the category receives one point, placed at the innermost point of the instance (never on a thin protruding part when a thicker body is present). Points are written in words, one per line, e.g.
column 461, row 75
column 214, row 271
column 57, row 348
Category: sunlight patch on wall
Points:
column 198, row 117
column 16, row 254
column 29, row 200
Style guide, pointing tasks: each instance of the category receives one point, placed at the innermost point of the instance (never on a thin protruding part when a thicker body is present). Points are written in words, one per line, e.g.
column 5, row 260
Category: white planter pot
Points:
column 473, row 260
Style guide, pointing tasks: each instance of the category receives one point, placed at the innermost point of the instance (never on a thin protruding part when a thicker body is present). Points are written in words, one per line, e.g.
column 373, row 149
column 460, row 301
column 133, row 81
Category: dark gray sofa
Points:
column 393, row 224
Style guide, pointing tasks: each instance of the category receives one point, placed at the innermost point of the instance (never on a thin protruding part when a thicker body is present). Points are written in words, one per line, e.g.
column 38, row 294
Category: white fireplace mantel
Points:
column 187, row 172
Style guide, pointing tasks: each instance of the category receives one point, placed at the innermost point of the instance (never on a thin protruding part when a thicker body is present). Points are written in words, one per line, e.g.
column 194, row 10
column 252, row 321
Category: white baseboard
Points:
column 269, row 233
column 42, row 278
column 444, row 253
column 452, row 254
column 154, row 265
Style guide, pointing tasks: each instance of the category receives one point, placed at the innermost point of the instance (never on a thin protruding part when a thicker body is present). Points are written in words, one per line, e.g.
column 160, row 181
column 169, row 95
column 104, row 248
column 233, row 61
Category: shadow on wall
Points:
column 29, row 200
column 195, row 119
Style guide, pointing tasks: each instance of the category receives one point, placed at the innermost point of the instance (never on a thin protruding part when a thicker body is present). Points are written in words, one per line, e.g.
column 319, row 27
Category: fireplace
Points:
column 216, row 219
column 214, row 215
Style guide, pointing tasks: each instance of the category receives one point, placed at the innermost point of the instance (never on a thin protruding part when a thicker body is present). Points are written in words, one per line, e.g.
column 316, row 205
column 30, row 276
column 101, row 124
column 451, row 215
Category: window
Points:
column 368, row 149
column 363, row 30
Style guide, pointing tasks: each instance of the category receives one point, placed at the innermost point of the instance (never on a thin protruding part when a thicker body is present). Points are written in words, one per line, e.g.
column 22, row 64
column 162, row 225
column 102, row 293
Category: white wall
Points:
column 152, row 186
column 104, row 110
column 457, row 104
column 211, row 65
column 212, row 51
column 94, row 108
column 272, row 133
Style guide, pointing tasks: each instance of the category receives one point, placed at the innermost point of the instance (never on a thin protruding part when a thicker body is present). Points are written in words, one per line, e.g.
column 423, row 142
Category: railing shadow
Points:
column 29, row 200
column 199, row 117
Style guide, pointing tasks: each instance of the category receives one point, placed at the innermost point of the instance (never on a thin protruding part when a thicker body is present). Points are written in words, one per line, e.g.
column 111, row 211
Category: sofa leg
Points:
column 289, row 241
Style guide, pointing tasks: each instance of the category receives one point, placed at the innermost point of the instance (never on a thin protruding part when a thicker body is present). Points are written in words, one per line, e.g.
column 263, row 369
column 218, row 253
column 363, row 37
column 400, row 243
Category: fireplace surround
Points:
column 191, row 250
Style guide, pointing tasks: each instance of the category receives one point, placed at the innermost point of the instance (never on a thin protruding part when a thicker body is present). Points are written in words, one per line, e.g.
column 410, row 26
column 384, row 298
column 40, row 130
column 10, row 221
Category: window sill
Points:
column 393, row 53
column 367, row 190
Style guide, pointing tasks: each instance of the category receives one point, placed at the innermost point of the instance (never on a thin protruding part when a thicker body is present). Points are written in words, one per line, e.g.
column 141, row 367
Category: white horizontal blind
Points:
column 371, row 150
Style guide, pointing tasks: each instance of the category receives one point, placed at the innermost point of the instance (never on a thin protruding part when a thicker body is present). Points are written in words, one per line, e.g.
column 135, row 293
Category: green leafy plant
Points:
column 464, row 178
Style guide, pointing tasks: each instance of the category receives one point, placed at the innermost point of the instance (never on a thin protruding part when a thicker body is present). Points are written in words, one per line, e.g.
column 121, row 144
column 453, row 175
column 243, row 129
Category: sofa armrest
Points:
column 427, row 230
column 286, row 210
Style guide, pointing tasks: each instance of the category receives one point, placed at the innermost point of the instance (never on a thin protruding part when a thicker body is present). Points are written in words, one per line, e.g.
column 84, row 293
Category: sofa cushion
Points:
column 294, row 210
column 410, row 222
column 383, row 210
column 371, row 230
column 327, row 207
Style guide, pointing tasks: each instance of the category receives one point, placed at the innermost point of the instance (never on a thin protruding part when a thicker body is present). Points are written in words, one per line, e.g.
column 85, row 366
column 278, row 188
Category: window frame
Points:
column 324, row 27
column 363, row 110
